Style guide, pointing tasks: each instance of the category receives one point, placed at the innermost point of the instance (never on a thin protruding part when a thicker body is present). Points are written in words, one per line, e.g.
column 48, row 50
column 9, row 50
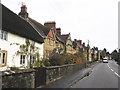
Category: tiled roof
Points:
column 16, row 25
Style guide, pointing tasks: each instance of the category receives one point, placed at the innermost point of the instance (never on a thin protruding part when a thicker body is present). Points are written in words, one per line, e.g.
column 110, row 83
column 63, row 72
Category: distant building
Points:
column 68, row 45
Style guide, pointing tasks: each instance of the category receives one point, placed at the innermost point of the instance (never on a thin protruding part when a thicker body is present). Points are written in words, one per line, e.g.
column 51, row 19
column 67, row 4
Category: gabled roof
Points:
column 59, row 39
column 16, row 25
column 39, row 27
column 64, row 37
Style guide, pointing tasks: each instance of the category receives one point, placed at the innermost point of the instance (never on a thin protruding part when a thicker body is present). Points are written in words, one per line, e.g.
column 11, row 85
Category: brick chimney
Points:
column 83, row 44
column 79, row 41
column 58, row 31
column 75, row 40
column 23, row 13
column 51, row 25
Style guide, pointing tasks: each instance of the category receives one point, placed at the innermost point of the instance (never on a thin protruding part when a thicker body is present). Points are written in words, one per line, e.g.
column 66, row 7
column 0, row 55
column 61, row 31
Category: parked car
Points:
column 105, row 61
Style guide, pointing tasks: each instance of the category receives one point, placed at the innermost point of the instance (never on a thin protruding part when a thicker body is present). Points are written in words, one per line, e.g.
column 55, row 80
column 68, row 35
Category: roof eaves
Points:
column 36, row 29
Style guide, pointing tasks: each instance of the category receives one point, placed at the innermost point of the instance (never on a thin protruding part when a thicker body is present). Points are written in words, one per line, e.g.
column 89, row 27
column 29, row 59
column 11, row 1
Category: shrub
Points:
column 68, row 58
column 56, row 59
column 14, row 68
column 46, row 62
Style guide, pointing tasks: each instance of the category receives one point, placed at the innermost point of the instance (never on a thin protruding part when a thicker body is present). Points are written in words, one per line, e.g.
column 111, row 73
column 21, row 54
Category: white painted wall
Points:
column 12, row 58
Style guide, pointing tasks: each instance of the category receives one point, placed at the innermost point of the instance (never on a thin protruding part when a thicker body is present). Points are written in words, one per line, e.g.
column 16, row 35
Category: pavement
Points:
column 70, row 80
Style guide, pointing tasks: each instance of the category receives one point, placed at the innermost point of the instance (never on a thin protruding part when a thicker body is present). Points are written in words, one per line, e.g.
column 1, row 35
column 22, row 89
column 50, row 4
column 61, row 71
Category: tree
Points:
column 103, row 53
column 114, row 55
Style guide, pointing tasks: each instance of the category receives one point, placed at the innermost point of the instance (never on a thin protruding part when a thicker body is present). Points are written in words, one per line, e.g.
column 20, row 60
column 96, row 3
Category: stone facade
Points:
column 49, row 44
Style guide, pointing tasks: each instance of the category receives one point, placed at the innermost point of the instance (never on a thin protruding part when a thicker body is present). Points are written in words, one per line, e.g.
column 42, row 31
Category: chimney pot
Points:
column 23, row 12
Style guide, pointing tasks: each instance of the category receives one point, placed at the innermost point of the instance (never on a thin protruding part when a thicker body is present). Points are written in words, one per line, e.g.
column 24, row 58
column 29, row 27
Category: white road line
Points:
column 113, row 71
column 117, row 74
column 108, row 66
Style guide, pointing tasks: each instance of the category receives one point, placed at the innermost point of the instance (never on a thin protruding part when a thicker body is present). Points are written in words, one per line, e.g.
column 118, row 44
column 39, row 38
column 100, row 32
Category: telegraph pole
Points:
column 87, row 53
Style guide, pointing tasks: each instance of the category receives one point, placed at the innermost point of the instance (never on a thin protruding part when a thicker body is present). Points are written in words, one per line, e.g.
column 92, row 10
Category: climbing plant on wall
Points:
column 29, row 49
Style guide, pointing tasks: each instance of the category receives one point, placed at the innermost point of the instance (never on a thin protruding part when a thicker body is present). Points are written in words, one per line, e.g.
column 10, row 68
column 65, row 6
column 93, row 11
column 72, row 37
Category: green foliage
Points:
column 81, row 55
column 114, row 55
column 37, row 61
column 118, row 62
column 56, row 59
column 14, row 68
column 68, row 58
column 46, row 62
column 28, row 49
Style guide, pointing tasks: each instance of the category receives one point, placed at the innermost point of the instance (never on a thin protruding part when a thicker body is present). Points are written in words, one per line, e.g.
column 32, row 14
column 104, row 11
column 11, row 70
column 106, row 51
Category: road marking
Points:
column 113, row 71
column 117, row 74
column 108, row 66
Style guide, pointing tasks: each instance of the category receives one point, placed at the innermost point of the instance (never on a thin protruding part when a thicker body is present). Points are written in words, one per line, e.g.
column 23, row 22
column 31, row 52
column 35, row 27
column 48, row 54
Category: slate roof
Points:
column 43, row 30
column 59, row 39
column 16, row 25
column 63, row 37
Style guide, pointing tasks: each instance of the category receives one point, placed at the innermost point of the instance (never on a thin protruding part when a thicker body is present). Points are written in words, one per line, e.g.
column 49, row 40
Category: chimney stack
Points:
column 23, row 12
column 75, row 40
column 51, row 25
column 79, row 41
column 83, row 44
column 58, row 31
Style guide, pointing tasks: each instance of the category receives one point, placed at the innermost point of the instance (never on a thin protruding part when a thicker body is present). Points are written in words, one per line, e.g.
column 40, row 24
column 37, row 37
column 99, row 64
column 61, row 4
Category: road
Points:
column 104, row 75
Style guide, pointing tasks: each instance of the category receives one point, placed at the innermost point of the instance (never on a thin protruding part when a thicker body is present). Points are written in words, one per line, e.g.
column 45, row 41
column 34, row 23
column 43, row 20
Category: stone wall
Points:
column 33, row 78
column 47, row 75
column 57, row 72
column 18, row 79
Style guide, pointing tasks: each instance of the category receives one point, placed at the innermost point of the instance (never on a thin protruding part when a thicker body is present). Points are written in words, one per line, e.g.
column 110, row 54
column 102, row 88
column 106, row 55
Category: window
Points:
column 48, row 41
column 52, row 42
column 3, row 57
column 22, row 59
column 3, row 35
column 33, row 43
column 32, row 59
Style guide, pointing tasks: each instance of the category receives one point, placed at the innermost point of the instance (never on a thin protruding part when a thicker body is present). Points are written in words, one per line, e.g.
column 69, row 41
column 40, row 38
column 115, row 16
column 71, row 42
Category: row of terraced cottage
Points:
column 21, row 38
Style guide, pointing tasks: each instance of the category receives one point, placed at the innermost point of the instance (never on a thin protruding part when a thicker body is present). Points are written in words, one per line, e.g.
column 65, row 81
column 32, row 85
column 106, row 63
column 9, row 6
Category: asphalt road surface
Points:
column 104, row 75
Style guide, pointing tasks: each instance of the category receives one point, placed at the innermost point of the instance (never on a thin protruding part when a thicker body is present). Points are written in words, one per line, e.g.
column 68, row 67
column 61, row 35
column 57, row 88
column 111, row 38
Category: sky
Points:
column 93, row 20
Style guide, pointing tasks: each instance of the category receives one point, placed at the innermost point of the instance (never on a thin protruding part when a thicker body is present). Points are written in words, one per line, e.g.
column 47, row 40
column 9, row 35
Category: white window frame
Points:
column 3, row 52
column 32, row 59
column 22, row 59
column 33, row 43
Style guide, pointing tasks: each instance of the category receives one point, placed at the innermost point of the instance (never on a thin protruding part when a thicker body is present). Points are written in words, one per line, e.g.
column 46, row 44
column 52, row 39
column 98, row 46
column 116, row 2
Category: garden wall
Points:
column 18, row 79
column 47, row 75
column 33, row 78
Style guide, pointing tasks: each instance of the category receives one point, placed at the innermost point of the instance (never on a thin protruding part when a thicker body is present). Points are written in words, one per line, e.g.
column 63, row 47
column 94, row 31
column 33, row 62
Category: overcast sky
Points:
column 93, row 20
